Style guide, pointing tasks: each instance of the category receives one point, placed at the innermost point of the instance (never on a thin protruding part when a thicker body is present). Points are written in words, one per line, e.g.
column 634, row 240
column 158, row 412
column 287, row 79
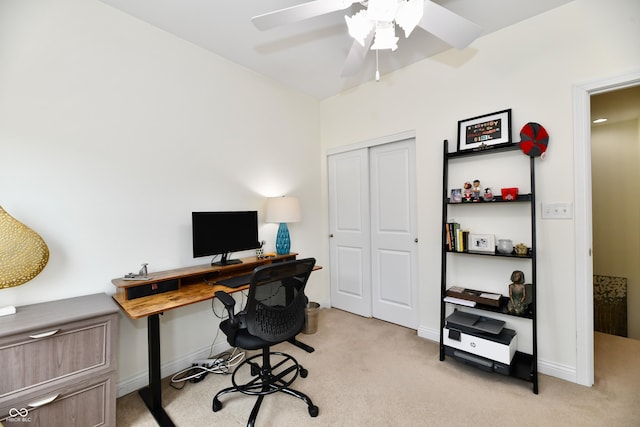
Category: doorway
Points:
column 615, row 156
column 372, row 221
column 583, row 218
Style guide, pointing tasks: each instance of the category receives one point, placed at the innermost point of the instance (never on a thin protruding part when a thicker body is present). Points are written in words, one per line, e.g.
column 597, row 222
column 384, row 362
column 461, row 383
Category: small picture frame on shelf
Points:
column 456, row 195
column 485, row 132
column 482, row 243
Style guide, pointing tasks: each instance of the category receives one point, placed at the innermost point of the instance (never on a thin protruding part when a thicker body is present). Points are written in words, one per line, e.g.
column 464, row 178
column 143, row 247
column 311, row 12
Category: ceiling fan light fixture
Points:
column 377, row 21
column 409, row 15
column 385, row 37
column 359, row 26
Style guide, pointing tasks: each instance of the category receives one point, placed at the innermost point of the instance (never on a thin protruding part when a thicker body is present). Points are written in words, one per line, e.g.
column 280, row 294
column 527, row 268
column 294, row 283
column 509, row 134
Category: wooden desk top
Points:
column 196, row 271
column 195, row 286
column 159, row 303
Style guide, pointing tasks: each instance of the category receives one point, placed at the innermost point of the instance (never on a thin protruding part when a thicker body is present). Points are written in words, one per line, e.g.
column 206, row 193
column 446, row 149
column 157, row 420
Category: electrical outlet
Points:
column 557, row 210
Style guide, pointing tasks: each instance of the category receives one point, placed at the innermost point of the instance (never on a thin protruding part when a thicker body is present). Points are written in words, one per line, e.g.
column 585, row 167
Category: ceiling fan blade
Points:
column 298, row 13
column 356, row 56
column 448, row 26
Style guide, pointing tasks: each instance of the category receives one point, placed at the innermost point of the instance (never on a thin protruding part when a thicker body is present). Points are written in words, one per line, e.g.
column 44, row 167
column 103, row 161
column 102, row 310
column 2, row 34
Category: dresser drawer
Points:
column 84, row 404
column 60, row 353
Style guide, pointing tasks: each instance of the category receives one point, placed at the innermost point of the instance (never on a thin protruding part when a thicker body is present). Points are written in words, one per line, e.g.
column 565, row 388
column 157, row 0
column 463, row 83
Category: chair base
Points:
column 266, row 378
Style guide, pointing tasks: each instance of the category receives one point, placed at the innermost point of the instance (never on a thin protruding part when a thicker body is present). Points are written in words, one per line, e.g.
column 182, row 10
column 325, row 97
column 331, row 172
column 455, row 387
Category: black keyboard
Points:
column 236, row 281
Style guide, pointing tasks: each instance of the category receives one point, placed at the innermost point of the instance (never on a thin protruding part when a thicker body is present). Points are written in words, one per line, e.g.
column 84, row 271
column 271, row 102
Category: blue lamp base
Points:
column 283, row 242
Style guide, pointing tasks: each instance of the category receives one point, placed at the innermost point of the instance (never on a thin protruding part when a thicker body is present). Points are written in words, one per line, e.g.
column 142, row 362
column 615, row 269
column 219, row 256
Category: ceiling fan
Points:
column 373, row 27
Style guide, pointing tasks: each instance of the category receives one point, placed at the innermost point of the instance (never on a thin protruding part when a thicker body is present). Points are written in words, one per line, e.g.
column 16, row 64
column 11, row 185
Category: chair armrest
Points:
column 226, row 299
column 229, row 303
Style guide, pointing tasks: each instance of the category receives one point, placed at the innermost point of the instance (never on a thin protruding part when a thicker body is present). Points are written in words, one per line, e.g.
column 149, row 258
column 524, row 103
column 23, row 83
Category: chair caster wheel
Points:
column 303, row 372
column 313, row 411
column 217, row 405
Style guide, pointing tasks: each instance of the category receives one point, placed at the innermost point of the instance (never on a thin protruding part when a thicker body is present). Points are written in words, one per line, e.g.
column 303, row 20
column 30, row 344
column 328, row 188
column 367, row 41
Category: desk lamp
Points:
column 283, row 210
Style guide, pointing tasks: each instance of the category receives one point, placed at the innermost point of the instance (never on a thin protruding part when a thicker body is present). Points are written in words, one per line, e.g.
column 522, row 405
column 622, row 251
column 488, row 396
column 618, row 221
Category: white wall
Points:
column 530, row 67
column 112, row 132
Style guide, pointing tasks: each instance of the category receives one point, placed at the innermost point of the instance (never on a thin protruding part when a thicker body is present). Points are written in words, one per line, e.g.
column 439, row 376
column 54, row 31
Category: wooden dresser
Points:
column 58, row 363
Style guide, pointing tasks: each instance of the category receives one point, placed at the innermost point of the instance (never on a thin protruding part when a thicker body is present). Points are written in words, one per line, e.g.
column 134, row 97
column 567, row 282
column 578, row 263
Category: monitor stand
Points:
column 225, row 261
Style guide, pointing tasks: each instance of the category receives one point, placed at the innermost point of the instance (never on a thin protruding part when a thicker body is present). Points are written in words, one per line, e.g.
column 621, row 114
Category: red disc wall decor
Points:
column 534, row 139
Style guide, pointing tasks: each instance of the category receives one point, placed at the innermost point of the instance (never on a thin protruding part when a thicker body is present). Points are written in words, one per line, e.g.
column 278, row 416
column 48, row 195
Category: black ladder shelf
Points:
column 523, row 365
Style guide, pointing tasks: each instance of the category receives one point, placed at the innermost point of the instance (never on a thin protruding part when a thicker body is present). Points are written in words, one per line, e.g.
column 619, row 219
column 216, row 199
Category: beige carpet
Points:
column 366, row 372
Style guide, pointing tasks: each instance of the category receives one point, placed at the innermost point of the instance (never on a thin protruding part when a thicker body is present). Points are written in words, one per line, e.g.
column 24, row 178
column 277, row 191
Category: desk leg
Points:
column 152, row 395
column 302, row 345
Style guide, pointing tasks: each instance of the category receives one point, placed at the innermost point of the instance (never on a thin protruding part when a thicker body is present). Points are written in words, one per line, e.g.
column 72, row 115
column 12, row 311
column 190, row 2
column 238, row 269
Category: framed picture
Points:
column 483, row 243
column 456, row 195
column 485, row 132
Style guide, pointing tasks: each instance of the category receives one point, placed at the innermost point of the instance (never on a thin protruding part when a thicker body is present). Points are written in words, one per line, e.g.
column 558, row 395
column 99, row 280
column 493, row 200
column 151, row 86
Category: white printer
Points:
column 480, row 341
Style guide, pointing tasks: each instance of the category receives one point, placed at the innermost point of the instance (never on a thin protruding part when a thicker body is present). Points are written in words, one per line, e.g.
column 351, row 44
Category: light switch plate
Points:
column 557, row 210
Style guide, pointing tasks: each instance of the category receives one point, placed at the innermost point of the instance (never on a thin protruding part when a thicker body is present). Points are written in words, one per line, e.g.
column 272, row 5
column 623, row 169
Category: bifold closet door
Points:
column 350, row 244
column 372, row 224
column 394, row 249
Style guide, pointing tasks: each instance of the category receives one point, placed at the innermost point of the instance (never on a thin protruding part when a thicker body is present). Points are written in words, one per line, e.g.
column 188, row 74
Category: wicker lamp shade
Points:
column 23, row 253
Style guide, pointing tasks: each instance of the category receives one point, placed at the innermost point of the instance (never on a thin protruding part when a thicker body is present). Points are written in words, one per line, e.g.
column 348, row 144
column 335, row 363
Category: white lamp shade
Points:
column 282, row 209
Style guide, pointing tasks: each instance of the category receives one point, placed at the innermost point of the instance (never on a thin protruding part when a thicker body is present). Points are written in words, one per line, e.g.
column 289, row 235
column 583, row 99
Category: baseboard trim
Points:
column 563, row 372
column 136, row 382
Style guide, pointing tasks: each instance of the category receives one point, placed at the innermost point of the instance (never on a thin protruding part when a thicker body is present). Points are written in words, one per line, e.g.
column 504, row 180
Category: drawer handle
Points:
column 44, row 334
column 43, row 402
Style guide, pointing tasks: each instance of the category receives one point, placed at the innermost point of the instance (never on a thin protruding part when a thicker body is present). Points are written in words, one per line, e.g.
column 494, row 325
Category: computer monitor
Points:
column 220, row 233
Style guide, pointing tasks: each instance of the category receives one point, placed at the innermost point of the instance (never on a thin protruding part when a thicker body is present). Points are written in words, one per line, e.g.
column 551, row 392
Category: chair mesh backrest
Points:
column 276, row 303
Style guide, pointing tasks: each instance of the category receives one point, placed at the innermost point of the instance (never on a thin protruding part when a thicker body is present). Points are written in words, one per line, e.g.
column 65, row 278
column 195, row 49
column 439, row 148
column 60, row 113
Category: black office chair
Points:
column 274, row 313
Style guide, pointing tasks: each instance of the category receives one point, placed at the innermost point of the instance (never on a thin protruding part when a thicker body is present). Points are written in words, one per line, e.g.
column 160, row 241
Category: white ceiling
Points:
column 308, row 56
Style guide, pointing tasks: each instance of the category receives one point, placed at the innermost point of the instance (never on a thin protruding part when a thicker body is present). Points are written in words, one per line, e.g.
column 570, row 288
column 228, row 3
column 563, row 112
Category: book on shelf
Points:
column 454, row 235
column 448, row 234
column 464, row 241
column 480, row 297
column 456, row 238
